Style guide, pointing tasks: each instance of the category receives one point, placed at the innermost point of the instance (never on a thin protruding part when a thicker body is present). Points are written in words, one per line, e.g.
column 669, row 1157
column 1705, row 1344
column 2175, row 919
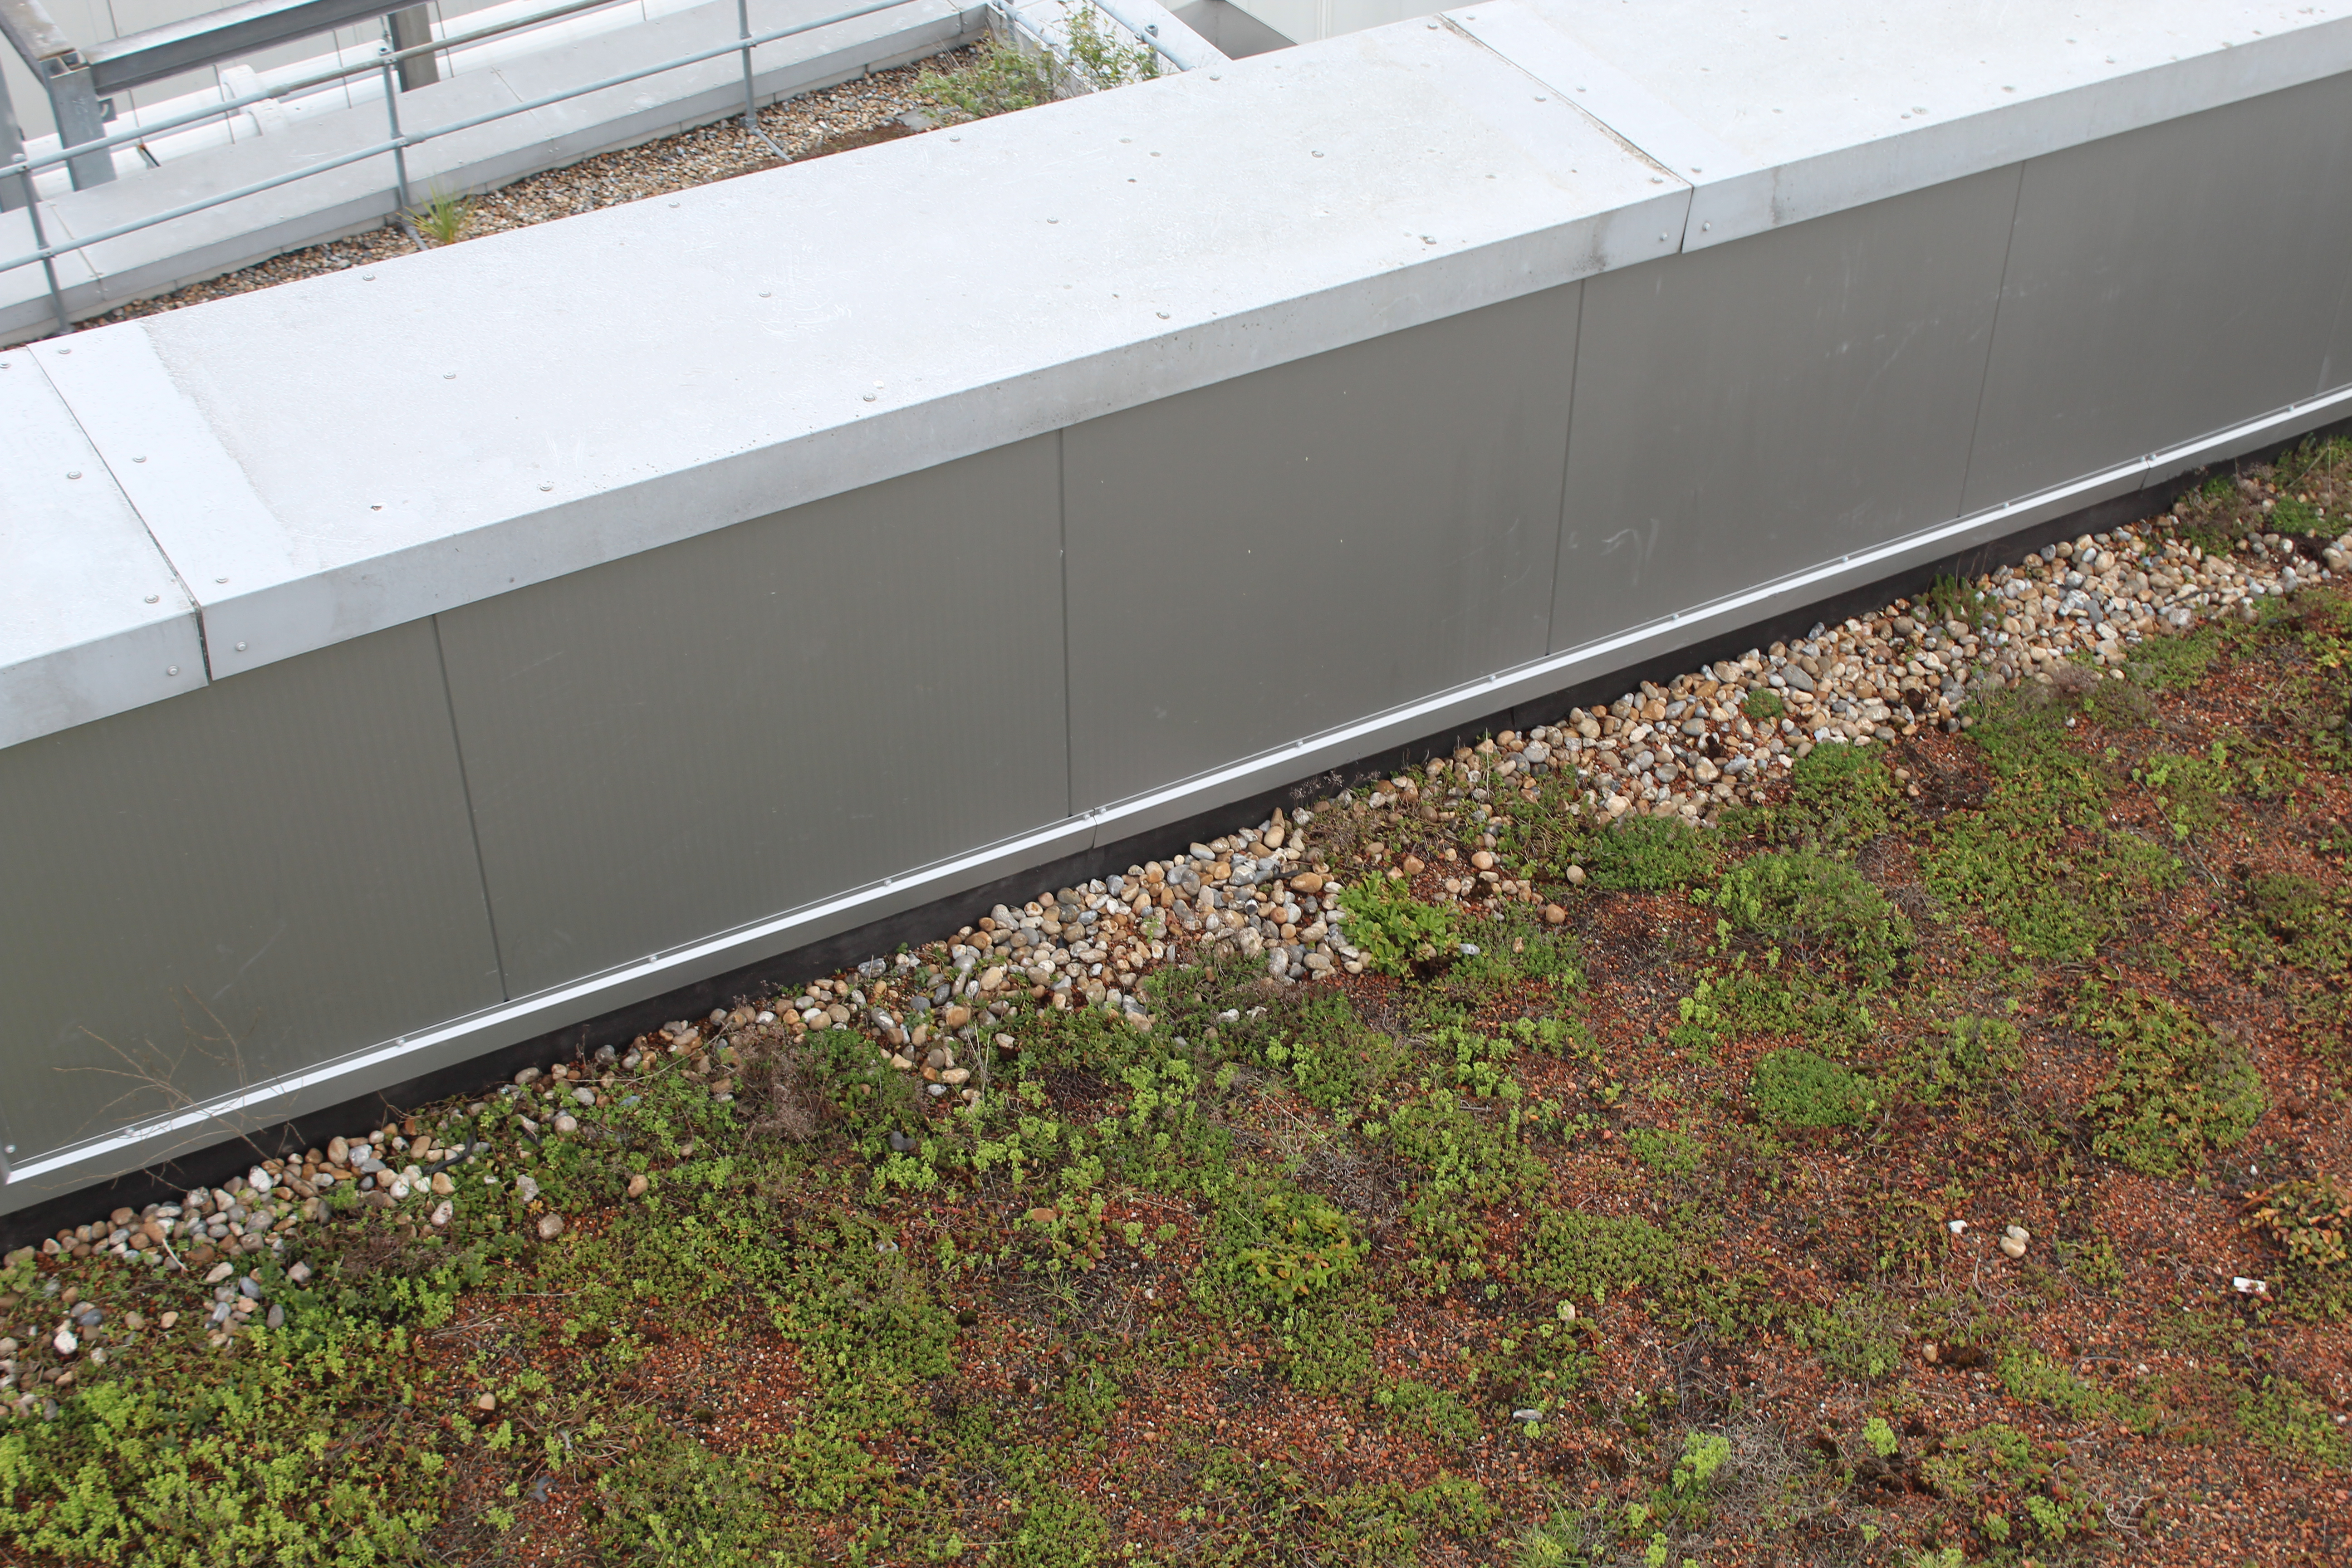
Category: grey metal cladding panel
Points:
column 282, row 858
column 1752, row 409
column 674, row 744
column 2166, row 283
column 1295, row 549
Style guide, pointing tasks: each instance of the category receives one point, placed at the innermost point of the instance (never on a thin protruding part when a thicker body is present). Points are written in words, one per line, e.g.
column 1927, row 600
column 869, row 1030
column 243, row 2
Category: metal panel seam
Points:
column 1062, row 566
column 1567, row 438
column 473, row 824
column 1992, row 335
column 187, row 586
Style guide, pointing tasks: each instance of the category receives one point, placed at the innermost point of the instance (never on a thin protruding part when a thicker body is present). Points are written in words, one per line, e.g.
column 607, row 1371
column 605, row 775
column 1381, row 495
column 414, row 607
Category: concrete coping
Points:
column 331, row 456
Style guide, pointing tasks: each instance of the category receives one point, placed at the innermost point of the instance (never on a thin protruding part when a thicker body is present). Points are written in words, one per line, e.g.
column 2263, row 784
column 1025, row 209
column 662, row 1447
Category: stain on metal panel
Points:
column 671, row 745
column 1258, row 561
column 1754, row 409
column 245, row 881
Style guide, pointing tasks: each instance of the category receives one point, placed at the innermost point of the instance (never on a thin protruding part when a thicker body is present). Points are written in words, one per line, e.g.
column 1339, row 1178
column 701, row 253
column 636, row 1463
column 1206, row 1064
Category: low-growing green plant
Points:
column 1817, row 907
column 1590, row 1257
column 2187, row 790
column 2177, row 1094
column 1840, row 798
column 1276, row 1246
column 2040, row 857
column 1965, row 1060
column 1668, row 1153
column 1797, row 1087
column 1426, row 1411
column 671, row 1501
column 2309, row 1220
column 1860, row 1336
column 1392, row 929
column 1763, row 705
column 2286, row 1418
column 1648, row 854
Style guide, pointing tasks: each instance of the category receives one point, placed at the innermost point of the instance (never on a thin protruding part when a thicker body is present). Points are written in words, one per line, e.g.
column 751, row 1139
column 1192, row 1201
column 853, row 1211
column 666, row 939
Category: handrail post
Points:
column 751, row 103
column 41, row 244
column 399, row 142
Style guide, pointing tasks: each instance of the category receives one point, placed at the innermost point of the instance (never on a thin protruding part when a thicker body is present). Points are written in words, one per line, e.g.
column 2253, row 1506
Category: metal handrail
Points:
column 399, row 142
column 375, row 62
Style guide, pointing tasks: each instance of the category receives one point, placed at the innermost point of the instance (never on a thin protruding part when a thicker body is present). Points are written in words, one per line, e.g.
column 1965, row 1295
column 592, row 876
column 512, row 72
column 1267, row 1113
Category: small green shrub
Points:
column 2308, row 1218
column 2310, row 1221
column 2040, row 857
column 2174, row 663
column 998, row 81
column 1059, row 1528
column 2187, row 790
column 1797, row 1087
column 2034, row 1378
column 1763, row 705
column 1334, row 1057
column 1667, row 1152
column 2176, row 1095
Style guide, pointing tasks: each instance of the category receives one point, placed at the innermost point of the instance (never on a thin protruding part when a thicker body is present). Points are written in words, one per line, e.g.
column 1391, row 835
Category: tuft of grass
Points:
column 442, row 216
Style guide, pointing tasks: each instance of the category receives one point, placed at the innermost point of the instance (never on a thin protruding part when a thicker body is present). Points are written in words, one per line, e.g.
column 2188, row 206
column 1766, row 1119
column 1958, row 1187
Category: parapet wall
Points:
column 403, row 663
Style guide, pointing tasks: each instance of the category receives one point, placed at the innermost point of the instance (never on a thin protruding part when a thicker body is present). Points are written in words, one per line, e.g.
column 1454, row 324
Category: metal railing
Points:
column 397, row 143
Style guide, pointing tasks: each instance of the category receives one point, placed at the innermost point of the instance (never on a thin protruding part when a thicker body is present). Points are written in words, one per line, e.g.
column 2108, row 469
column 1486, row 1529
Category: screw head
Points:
column 220, row 579
column 154, row 598
column 174, row 670
column 240, row 647
column 547, row 487
column 73, row 473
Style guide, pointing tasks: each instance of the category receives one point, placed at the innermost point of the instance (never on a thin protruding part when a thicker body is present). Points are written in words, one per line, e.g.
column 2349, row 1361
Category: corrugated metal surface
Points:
column 698, row 737
column 1291, row 550
column 1750, row 410
column 2164, row 283
column 239, row 883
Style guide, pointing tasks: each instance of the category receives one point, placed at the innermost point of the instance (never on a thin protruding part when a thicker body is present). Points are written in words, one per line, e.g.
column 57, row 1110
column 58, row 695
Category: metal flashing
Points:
column 98, row 621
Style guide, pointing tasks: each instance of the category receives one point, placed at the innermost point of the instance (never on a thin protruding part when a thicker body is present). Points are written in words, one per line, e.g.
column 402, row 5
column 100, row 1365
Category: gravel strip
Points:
column 1686, row 749
column 854, row 113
